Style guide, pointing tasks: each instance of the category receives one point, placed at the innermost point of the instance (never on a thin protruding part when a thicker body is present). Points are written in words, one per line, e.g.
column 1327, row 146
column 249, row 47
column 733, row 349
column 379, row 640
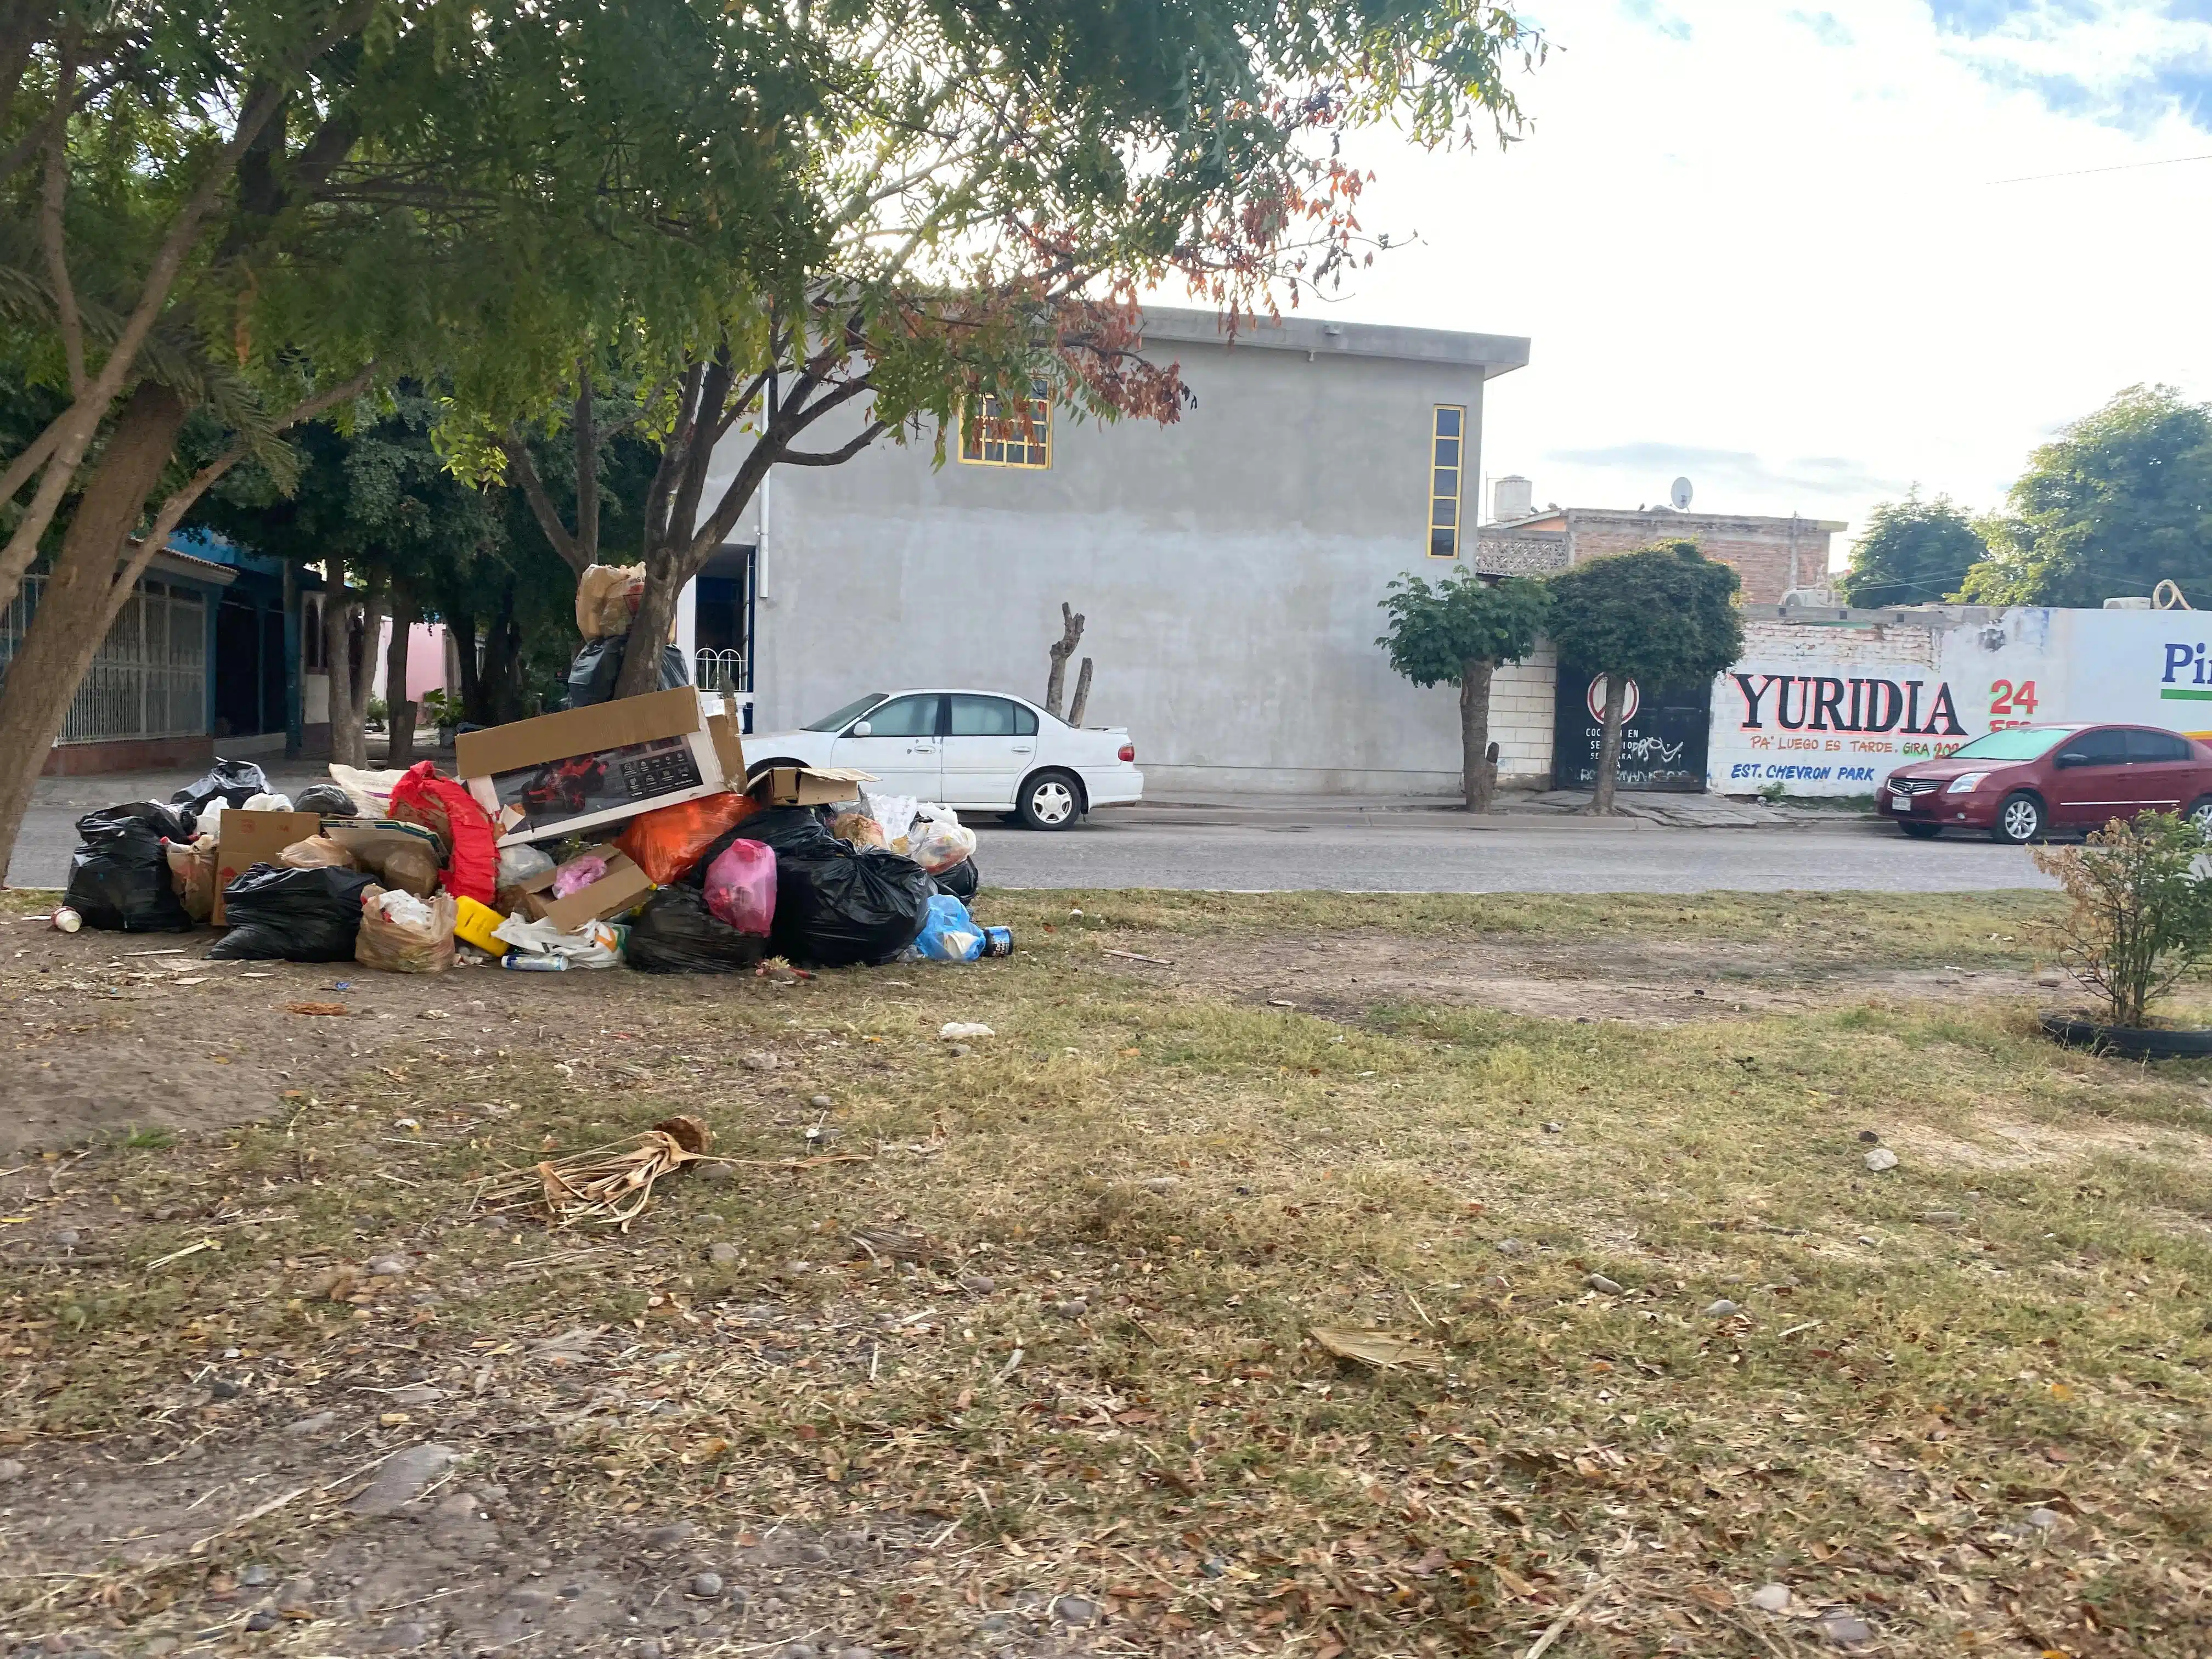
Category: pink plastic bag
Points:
column 741, row 886
column 576, row 875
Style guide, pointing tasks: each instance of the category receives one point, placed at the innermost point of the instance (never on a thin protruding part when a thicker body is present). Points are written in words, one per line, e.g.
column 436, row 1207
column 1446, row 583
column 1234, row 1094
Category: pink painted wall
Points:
column 426, row 660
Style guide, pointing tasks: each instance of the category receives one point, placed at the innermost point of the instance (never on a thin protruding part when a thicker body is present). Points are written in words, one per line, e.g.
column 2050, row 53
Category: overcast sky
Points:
column 1769, row 248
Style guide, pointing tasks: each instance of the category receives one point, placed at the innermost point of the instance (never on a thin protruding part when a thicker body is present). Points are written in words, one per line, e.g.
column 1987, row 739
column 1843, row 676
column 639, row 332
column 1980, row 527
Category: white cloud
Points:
column 1739, row 236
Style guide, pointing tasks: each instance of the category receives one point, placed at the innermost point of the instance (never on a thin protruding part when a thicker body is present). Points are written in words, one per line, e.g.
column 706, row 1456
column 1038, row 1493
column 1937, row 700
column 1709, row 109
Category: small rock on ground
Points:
column 1844, row 1631
column 1601, row 1283
column 725, row 1255
column 1771, row 1598
column 403, row 1477
column 11, row 1470
column 1723, row 1309
column 1075, row 1610
column 707, row 1585
column 1880, row 1159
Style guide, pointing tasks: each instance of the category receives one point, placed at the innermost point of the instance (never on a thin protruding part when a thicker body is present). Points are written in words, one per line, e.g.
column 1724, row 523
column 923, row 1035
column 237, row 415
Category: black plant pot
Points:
column 2128, row 1041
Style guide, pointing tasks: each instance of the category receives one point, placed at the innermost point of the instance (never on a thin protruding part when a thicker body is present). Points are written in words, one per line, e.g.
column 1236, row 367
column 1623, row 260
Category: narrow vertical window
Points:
column 1444, row 481
column 1020, row 434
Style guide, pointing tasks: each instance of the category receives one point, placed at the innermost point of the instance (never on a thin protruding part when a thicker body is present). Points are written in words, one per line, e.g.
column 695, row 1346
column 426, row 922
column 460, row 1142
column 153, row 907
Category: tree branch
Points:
column 52, row 193
column 541, row 505
column 834, row 456
column 171, row 512
column 586, row 435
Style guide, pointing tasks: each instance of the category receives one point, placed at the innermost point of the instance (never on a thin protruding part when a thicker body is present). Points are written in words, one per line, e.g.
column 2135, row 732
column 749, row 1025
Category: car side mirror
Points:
column 861, row 729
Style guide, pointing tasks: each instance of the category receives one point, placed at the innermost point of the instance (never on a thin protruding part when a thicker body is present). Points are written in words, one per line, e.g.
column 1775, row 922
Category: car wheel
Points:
column 1922, row 831
column 2200, row 813
column 2019, row 820
column 1050, row 800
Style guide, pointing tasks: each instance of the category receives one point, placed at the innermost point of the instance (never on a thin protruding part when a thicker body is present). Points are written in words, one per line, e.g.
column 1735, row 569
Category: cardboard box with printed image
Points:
column 588, row 768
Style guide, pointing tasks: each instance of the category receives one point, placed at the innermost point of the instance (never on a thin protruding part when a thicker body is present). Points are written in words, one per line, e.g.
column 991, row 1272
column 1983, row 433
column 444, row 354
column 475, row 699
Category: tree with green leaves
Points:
column 2119, row 502
column 1457, row 632
column 994, row 186
column 1914, row 552
column 1665, row 615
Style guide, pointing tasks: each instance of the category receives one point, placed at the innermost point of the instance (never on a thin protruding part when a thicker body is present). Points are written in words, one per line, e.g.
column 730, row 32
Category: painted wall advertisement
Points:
column 1846, row 705
column 1662, row 734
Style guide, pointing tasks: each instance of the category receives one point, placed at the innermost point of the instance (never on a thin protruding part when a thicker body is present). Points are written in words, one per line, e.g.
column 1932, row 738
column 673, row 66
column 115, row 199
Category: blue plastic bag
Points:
column 949, row 935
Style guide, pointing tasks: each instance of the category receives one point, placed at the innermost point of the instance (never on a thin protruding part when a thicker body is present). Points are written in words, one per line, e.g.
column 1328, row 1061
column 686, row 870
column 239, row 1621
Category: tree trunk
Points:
column 1080, row 703
column 375, row 602
column 1608, row 747
column 656, row 620
column 1071, row 636
column 400, row 708
column 338, row 663
column 1475, row 779
column 71, row 624
column 461, row 626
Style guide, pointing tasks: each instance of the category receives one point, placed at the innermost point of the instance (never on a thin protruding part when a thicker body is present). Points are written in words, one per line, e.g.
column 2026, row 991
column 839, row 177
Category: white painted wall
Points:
column 1231, row 566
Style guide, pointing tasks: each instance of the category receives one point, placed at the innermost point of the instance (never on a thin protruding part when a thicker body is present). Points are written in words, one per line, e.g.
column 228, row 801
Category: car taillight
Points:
column 1128, row 752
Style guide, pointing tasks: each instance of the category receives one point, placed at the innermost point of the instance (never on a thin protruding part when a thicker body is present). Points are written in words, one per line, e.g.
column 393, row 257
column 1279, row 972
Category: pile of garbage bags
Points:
column 404, row 872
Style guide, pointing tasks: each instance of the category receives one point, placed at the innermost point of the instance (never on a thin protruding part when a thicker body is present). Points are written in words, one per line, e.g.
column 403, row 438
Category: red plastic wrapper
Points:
column 667, row 842
column 438, row 802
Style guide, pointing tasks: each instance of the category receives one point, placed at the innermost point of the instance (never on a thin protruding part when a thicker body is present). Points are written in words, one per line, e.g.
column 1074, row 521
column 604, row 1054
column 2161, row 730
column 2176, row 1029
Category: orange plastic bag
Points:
column 668, row 843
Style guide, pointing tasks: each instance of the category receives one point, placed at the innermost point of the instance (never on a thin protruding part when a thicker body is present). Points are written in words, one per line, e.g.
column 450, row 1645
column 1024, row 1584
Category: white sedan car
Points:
column 975, row 751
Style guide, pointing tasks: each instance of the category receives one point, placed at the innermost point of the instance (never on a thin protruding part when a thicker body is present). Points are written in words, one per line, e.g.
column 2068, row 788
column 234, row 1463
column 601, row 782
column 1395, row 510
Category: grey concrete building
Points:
column 1231, row 565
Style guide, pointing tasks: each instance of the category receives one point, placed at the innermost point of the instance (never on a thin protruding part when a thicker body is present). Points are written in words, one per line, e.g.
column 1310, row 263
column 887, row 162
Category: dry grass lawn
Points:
column 1034, row 1370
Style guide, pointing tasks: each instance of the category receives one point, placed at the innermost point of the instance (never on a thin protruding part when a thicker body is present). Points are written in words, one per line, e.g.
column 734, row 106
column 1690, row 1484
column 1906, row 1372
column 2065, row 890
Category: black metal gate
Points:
column 1662, row 740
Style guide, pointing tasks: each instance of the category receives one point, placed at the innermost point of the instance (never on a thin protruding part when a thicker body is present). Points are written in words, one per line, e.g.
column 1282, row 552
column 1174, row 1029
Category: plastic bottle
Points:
column 534, row 962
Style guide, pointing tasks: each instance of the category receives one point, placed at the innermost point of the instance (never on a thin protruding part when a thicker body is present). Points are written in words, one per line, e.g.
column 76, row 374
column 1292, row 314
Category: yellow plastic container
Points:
column 473, row 924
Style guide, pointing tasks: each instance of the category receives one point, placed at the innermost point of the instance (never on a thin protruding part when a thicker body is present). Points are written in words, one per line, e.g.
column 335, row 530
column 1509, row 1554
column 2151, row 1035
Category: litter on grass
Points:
column 1385, row 1351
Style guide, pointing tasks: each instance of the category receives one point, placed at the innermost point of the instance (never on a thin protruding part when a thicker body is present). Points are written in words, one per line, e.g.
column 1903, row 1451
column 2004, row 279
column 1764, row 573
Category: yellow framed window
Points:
column 995, row 434
column 1447, row 446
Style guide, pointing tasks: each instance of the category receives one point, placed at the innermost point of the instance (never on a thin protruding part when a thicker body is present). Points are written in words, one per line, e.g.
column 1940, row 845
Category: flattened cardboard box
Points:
column 584, row 768
column 244, row 839
column 623, row 885
column 808, row 786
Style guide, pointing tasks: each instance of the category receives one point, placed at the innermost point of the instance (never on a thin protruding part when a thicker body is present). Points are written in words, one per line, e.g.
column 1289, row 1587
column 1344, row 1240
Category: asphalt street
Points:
column 1249, row 846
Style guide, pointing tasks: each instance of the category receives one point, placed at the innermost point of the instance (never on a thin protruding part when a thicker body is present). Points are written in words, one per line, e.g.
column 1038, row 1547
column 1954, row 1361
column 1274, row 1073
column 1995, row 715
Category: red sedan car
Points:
column 2022, row 783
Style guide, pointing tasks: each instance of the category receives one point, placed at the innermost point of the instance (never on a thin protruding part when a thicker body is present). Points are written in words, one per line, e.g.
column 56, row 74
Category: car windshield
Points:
column 851, row 712
column 2020, row 743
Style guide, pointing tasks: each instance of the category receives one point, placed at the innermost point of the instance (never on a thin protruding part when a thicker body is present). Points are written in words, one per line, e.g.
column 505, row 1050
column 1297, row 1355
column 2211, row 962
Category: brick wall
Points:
column 1861, row 644
column 1756, row 549
column 1521, row 699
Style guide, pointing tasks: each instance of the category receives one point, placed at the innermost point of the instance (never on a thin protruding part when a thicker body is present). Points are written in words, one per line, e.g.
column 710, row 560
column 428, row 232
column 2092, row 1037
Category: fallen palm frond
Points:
column 1384, row 1349
column 610, row 1186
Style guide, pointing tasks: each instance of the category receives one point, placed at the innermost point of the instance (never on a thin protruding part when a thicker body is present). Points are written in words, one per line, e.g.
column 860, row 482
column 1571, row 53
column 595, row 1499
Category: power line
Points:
column 2083, row 172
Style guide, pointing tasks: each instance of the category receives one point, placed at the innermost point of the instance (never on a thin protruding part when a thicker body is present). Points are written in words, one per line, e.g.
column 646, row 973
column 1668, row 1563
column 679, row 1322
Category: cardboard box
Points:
column 807, row 785
column 623, row 885
column 585, row 768
column 244, row 839
column 371, row 841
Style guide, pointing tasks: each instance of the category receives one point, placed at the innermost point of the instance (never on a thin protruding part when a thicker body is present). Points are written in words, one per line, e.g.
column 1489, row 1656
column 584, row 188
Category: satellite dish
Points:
column 1680, row 494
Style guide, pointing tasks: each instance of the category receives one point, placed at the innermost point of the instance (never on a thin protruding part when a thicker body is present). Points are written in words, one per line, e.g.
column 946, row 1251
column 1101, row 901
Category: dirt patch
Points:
column 115, row 1032
column 1645, row 982
column 1996, row 1145
column 323, row 1513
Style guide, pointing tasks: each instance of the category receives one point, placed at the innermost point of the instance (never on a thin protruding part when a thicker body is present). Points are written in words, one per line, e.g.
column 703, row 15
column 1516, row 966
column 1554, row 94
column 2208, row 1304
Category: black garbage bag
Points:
column 963, row 881
column 300, row 916
column 676, row 933
column 594, row 670
column 120, row 878
column 328, row 800
column 236, row 781
column 836, row 905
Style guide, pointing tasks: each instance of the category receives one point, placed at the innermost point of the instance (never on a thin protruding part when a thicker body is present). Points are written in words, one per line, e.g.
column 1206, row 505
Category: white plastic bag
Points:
column 266, row 803
column 211, row 818
column 595, row 944
column 893, row 812
column 939, row 843
column 372, row 789
column 518, row 863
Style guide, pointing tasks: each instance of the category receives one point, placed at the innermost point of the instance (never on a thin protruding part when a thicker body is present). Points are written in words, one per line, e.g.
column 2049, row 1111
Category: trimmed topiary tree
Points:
column 1455, row 633
column 1664, row 615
